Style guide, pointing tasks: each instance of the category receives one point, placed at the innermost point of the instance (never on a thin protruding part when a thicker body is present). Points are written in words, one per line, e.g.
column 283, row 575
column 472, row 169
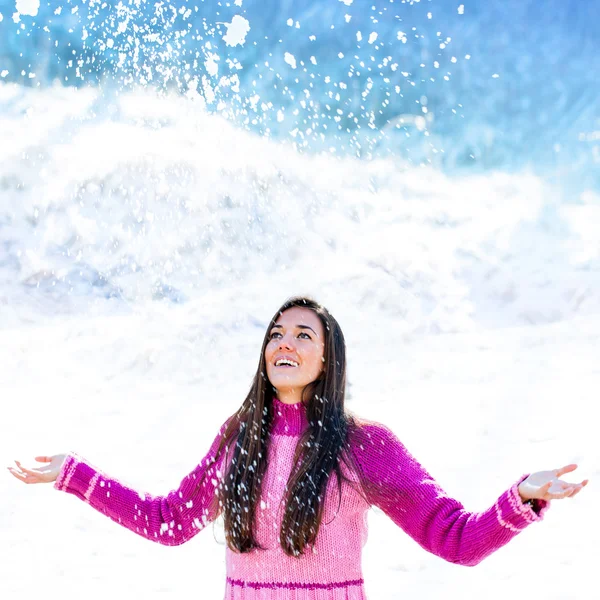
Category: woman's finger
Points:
column 565, row 469
column 568, row 493
column 579, row 487
column 22, row 469
column 25, row 470
column 20, row 476
column 558, row 495
column 13, row 473
column 45, row 459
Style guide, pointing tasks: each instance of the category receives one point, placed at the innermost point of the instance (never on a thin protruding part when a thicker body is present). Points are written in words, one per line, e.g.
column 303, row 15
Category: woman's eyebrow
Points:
column 306, row 327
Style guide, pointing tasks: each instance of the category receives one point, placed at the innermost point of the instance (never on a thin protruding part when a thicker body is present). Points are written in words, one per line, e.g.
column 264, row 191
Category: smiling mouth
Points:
column 285, row 362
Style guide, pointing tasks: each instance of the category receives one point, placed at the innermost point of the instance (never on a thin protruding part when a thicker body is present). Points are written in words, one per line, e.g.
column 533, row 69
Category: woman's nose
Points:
column 286, row 342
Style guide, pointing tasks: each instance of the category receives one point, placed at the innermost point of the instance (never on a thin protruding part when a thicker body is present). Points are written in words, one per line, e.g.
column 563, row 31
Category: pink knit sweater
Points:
column 400, row 486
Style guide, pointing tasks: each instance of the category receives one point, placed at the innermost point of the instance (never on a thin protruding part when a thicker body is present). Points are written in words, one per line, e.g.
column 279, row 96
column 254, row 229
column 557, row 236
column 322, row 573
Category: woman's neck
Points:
column 289, row 396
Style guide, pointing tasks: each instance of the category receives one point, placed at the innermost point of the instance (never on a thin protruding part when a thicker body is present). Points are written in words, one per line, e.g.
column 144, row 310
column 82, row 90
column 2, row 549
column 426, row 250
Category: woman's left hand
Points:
column 547, row 485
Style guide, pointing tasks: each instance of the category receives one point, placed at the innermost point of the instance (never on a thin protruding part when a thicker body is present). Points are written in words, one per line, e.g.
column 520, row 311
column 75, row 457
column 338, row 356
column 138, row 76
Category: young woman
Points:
column 293, row 475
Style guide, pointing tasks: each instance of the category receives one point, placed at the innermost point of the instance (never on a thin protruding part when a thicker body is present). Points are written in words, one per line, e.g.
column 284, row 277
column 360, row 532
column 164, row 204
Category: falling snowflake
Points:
column 236, row 31
column 290, row 59
column 27, row 7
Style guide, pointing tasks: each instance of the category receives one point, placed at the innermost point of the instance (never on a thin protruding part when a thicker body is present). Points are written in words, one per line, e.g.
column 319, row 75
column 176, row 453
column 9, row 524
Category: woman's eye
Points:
column 277, row 334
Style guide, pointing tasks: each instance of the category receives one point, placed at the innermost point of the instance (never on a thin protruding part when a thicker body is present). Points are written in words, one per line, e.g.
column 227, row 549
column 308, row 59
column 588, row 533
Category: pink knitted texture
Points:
column 396, row 483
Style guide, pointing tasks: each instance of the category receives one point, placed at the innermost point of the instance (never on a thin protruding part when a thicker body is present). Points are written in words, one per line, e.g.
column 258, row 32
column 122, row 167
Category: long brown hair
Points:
column 318, row 452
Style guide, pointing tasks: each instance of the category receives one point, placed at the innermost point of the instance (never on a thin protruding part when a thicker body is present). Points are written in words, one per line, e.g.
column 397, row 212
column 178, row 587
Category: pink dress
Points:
column 398, row 485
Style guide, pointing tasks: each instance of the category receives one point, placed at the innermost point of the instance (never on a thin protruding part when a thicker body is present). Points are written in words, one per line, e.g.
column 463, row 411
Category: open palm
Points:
column 547, row 485
column 44, row 474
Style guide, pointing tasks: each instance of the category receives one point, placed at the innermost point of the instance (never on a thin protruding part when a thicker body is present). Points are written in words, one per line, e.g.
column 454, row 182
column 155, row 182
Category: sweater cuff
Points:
column 76, row 477
column 513, row 514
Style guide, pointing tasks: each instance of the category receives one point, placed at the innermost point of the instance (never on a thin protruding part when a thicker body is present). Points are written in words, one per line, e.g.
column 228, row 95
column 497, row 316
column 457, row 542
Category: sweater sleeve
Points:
column 170, row 520
column 395, row 482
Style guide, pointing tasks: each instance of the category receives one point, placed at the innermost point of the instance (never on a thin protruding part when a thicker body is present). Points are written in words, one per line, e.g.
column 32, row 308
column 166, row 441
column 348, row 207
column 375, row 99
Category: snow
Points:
column 140, row 265
column 141, row 395
column 477, row 122
column 147, row 236
column 27, row 7
column 236, row 31
column 290, row 60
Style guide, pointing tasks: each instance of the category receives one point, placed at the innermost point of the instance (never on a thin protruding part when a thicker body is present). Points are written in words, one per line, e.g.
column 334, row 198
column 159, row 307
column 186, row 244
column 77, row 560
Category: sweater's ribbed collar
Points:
column 288, row 419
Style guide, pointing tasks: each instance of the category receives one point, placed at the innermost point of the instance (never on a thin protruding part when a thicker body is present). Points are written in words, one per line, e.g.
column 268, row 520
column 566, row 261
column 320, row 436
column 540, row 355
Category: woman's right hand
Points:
column 46, row 474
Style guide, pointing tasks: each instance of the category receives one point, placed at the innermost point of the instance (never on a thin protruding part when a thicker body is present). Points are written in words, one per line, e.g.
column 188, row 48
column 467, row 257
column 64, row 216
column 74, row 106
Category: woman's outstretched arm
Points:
column 395, row 482
column 169, row 520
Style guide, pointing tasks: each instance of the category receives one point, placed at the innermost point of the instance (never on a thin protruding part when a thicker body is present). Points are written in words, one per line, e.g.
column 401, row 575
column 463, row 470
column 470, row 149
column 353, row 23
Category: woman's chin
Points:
column 287, row 388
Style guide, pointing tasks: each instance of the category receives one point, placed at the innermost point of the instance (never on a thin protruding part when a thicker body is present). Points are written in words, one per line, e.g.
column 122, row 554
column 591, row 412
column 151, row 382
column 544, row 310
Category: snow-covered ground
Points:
column 143, row 250
column 142, row 395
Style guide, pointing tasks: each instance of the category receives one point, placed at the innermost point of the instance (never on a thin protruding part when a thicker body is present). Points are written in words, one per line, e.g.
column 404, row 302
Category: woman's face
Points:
column 294, row 352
